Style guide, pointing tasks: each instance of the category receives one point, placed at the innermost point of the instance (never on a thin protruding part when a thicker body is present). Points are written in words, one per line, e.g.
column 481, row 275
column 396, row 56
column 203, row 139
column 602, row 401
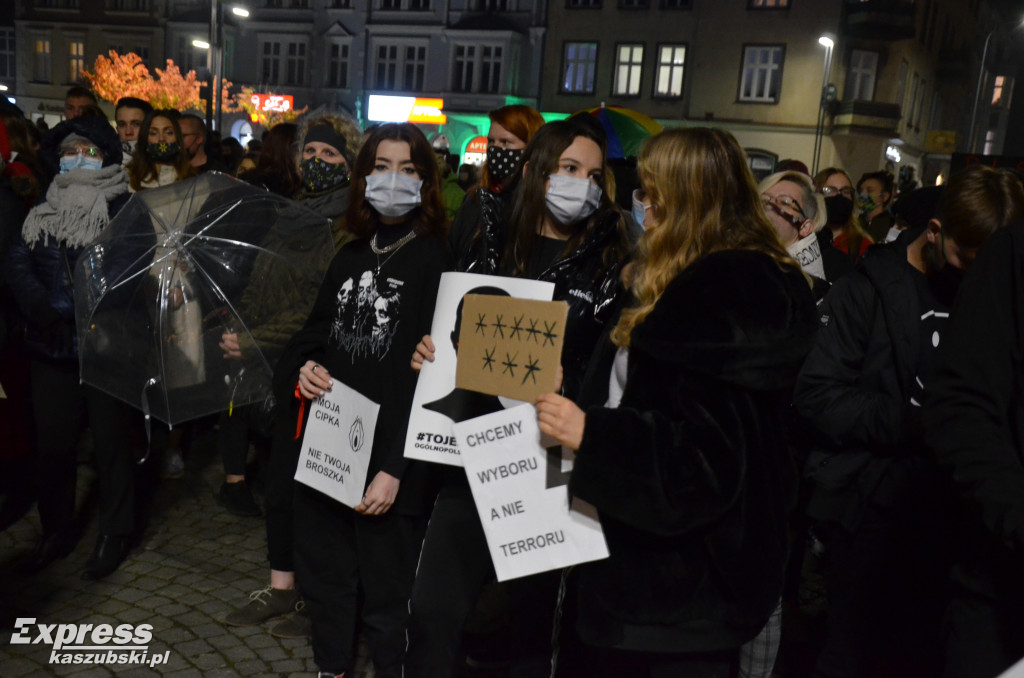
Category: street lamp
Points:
column 829, row 44
column 215, row 58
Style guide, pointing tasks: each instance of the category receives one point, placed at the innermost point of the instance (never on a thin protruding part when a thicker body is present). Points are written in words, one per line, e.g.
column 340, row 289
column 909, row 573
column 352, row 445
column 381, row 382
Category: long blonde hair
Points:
column 705, row 200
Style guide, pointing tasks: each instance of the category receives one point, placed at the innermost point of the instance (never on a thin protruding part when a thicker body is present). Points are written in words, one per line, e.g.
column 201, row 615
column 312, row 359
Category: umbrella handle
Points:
column 145, row 411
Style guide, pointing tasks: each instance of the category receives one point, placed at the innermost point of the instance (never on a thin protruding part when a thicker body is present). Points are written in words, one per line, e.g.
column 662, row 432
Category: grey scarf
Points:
column 75, row 210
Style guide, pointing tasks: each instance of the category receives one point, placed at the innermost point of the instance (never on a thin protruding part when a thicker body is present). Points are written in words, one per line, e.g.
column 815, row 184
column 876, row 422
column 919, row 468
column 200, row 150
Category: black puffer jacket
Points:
column 587, row 279
column 692, row 473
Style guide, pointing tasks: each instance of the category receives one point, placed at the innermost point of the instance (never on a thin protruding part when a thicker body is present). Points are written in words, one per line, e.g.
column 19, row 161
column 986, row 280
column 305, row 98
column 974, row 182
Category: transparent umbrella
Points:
column 179, row 268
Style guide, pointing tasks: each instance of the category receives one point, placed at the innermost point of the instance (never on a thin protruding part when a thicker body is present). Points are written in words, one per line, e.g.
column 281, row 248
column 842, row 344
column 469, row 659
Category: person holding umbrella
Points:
column 89, row 189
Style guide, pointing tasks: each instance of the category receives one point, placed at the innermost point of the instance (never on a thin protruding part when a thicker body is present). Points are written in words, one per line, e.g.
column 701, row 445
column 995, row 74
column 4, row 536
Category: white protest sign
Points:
column 437, row 403
column 336, row 446
column 529, row 524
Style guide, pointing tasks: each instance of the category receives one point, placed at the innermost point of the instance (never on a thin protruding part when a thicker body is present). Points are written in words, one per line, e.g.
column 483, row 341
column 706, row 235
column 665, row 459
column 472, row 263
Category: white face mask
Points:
column 393, row 194
column 808, row 253
column 570, row 199
column 892, row 234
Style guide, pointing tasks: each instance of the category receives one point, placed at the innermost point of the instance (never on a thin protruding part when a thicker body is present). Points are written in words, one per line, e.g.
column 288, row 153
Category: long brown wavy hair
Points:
column 431, row 220
column 704, row 200
column 540, row 160
column 142, row 167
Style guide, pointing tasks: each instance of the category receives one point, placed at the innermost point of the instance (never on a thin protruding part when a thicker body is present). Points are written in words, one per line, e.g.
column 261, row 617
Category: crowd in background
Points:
column 763, row 384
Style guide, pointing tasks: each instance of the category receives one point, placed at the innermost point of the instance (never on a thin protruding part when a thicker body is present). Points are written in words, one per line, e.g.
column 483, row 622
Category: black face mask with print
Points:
column 502, row 162
column 163, row 152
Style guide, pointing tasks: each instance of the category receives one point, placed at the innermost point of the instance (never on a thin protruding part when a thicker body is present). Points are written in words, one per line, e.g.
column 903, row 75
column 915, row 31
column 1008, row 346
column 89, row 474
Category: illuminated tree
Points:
column 124, row 75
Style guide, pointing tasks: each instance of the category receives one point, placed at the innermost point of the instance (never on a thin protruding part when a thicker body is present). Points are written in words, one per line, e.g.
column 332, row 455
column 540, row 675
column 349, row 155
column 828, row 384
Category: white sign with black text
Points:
column 438, row 403
column 529, row 524
column 335, row 453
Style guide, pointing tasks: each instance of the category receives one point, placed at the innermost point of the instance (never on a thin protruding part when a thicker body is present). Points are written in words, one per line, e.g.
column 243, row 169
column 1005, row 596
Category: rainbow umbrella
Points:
column 626, row 128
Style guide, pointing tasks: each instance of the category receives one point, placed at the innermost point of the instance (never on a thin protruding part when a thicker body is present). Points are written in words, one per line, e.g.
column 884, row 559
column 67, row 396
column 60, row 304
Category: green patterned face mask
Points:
column 163, row 152
column 318, row 175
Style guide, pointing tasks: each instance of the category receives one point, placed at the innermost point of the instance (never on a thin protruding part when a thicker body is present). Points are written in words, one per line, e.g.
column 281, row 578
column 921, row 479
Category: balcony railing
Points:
column 880, row 19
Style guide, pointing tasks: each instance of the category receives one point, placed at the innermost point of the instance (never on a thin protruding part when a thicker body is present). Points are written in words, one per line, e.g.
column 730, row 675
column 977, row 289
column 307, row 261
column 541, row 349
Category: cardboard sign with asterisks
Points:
column 510, row 347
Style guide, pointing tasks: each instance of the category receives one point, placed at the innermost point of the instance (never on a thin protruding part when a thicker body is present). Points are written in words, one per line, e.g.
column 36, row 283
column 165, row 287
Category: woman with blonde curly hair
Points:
column 679, row 436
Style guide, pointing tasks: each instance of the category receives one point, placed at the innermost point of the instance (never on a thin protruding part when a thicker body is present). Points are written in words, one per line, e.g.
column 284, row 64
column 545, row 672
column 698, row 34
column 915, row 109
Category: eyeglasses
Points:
column 829, row 191
column 782, row 201
column 91, row 151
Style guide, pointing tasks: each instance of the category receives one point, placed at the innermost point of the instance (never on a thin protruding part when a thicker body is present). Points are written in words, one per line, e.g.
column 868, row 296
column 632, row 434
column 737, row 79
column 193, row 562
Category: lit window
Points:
column 579, row 67
column 762, row 74
column 860, row 83
column 76, row 60
column 668, row 81
column 629, row 60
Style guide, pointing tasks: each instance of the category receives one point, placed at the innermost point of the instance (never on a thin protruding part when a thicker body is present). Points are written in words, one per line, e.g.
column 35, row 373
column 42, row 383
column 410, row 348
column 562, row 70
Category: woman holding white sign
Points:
column 680, row 433
column 565, row 229
column 375, row 302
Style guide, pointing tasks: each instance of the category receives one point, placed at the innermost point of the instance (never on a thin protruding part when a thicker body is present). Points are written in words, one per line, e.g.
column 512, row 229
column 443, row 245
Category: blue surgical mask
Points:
column 639, row 209
column 70, row 162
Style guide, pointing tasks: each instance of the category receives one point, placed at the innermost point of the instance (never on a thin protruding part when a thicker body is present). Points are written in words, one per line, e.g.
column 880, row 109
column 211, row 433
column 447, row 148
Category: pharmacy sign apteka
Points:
column 529, row 525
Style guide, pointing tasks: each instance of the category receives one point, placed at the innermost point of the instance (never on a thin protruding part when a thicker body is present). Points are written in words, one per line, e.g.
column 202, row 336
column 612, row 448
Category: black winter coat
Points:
column 974, row 417
column 40, row 279
column 856, row 390
column 691, row 473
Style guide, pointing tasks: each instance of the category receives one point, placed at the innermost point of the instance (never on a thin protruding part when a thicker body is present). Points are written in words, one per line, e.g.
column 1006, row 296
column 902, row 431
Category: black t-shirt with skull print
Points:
column 370, row 313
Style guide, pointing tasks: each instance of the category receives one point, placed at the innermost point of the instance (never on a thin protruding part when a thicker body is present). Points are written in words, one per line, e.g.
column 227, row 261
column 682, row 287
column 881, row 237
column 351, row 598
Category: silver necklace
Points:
column 392, row 248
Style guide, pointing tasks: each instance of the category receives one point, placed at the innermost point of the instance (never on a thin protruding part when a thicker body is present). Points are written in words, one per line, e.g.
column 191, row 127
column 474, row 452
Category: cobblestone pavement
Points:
column 194, row 563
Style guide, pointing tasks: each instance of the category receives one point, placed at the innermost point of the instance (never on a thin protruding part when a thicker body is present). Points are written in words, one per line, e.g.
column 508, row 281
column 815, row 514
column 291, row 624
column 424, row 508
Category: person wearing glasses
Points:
column 848, row 235
column 798, row 214
column 193, row 138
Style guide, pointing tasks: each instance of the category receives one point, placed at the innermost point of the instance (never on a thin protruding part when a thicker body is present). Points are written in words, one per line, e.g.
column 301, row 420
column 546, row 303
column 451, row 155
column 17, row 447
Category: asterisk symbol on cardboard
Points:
column 489, row 359
column 549, row 333
column 517, row 328
column 533, row 331
column 510, row 366
column 480, row 324
column 531, row 370
column 499, row 327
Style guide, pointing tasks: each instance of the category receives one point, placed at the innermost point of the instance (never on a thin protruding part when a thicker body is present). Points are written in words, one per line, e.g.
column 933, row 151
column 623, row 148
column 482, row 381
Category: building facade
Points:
column 900, row 73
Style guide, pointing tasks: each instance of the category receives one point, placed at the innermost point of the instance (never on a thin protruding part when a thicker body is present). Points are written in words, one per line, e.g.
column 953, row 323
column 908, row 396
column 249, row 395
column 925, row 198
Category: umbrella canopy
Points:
column 179, row 268
column 626, row 128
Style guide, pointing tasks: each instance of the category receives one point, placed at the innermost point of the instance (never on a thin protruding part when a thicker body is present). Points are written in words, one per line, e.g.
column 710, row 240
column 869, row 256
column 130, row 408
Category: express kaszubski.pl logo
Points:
column 90, row 644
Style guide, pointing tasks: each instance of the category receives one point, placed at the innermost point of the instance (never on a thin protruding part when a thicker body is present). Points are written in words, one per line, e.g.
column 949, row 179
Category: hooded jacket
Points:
column 856, row 390
column 691, row 473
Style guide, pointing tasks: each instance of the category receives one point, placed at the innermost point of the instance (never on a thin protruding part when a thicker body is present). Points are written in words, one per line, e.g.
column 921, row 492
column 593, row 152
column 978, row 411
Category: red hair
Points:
column 521, row 121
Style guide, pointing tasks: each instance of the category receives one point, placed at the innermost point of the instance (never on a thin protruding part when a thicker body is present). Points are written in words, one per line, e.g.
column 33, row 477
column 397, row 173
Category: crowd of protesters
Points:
column 761, row 383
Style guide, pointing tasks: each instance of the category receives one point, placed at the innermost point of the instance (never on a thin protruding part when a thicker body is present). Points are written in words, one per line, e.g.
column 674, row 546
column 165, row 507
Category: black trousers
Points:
column 341, row 556
column 279, row 486
column 236, row 431
column 887, row 584
column 455, row 567
column 61, row 408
